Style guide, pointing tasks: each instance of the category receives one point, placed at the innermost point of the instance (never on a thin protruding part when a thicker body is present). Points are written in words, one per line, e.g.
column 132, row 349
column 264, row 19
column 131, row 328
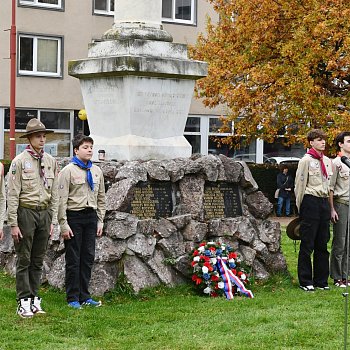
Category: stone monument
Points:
column 148, row 236
column 137, row 86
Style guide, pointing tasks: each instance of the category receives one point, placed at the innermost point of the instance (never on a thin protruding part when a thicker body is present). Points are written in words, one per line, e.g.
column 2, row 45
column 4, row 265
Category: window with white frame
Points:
column 104, row 7
column 52, row 4
column 204, row 132
column 39, row 55
column 180, row 11
column 215, row 134
column 193, row 133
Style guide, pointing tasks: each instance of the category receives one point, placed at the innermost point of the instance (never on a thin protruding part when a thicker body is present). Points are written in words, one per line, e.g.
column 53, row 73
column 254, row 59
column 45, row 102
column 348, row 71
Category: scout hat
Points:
column 293, row 229
column 34, row 125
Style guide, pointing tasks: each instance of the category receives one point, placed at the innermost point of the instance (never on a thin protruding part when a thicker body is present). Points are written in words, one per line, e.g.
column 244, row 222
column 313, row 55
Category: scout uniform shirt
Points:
column 310, row 180
column 75, row 193
column 27, row 188
column 340, row 182
column 2, row 197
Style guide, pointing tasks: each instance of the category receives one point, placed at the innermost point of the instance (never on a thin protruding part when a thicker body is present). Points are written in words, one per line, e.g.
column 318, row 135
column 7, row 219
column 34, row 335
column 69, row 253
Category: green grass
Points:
column 281, row 316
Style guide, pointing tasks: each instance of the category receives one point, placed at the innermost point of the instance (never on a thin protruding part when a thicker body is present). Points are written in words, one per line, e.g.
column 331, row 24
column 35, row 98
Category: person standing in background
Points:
column 285, row 184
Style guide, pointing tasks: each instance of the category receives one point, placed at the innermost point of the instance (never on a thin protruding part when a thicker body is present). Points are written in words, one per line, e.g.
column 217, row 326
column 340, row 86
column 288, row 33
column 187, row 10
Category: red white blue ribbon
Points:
column 228, row 278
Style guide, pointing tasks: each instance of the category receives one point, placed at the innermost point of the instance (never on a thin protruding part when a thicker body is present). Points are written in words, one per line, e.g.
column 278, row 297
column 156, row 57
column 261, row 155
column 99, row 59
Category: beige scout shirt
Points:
column 75, row 193
column 2, row 197
column 26, row 186
column 340, row 181
column 309, row 178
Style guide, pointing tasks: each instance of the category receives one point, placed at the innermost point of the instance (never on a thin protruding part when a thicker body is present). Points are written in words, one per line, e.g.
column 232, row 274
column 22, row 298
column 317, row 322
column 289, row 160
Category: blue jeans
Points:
column 280, row 205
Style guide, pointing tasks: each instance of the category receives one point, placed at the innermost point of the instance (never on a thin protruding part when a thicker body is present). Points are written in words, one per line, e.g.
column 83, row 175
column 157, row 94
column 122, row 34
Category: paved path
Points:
column 283, row 220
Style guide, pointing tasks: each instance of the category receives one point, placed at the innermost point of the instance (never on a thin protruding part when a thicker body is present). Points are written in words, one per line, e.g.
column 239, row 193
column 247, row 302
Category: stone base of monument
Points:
column 137, row 147
column 158, row 211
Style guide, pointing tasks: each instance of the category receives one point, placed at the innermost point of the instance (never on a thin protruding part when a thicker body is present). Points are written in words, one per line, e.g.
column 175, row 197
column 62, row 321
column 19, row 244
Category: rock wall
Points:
column 152, row 251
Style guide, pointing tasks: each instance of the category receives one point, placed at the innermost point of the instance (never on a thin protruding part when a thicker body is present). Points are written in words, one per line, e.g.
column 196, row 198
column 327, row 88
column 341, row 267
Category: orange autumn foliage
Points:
column 280, row 66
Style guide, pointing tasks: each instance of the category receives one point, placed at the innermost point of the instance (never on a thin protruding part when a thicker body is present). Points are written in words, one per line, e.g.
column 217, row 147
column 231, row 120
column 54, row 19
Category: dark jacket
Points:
column 284, row 181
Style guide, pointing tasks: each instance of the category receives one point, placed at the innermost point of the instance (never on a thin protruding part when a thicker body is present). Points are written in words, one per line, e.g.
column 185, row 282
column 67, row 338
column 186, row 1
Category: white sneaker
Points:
column 36, row 306
column 25, row 308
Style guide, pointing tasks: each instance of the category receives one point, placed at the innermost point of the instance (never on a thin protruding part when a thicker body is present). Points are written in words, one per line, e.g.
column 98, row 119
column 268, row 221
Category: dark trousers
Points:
column 314, row 233
column 80, row 253
column 31, row 250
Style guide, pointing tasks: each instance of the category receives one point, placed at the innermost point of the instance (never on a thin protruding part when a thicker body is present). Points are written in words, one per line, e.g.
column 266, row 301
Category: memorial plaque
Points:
column 221, row 200
column 152, row 200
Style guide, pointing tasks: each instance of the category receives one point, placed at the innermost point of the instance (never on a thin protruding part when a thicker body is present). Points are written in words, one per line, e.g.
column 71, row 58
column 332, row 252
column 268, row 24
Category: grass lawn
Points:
column 281, row 316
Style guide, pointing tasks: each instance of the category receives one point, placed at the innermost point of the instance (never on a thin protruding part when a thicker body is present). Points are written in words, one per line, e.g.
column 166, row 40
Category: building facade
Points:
column 52, row 32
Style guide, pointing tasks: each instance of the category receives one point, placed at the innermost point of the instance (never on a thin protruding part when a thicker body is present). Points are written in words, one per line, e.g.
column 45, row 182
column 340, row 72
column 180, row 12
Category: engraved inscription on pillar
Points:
column 221, row 200
column 160, row 103
column 151, row 200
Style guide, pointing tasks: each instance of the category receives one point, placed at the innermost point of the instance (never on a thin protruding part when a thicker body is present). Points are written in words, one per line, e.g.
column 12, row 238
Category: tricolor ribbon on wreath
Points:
column 228, row 278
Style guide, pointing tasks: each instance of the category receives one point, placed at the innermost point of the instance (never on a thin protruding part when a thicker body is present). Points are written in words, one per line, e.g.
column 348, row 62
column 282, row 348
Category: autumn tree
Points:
column 280, row 66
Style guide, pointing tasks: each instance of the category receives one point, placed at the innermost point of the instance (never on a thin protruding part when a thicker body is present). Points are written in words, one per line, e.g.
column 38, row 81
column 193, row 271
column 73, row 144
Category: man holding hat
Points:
column 312, row 186
column 32, row 205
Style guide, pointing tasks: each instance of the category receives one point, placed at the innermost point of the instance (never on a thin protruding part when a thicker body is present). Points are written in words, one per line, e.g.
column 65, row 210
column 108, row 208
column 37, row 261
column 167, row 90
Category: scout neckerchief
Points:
column 318, row 156
column 75, row 160
column 40, row 157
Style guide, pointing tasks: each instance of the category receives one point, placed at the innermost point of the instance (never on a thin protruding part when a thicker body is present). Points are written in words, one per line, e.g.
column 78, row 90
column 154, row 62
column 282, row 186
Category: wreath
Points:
column 217, row 271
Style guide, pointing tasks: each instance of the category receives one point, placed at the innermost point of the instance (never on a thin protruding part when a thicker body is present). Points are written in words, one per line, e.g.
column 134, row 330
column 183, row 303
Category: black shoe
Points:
column 323, row 288
column 307, row 288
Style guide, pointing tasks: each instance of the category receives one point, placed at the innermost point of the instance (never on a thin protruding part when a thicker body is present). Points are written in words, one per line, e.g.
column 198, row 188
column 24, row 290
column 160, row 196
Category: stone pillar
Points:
column 138, row 19
column 148, row 12
column 137, row 86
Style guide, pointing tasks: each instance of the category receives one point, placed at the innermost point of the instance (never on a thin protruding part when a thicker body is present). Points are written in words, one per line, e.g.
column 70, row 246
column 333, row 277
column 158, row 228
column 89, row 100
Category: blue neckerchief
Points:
column 75, row 160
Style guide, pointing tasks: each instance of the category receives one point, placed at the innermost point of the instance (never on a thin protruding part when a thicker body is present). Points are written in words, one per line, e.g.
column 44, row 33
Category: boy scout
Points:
column 339, row 201
column 2, row 201
column 32, row 204
column 312, row 183
column 80, row 215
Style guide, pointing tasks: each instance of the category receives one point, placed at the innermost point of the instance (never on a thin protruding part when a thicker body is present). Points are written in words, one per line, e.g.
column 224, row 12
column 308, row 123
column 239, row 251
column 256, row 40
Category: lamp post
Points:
column 13, row 82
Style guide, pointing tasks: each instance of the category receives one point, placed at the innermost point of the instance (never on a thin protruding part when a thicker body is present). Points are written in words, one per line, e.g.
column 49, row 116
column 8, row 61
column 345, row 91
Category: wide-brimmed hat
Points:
column 34, row 125
column 293, row 229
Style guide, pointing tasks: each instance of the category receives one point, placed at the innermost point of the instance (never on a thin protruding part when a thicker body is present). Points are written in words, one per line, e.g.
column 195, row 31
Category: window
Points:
column 39, row 55
column 203, row 133
column 57, row 144
column 181, row 11
column 104, row 7
column 52, row 4
column 55, row 120
column 192, row 133
column 214, row 136
column 22, row 118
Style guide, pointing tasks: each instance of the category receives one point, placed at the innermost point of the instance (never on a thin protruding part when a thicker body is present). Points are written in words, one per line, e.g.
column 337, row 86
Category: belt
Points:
column 34, row 207
column 341, row 201
column 85, row 210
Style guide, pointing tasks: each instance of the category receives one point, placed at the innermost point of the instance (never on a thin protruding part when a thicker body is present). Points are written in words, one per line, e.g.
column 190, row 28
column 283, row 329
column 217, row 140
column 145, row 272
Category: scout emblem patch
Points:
column 13, row 168
column 27, row 165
